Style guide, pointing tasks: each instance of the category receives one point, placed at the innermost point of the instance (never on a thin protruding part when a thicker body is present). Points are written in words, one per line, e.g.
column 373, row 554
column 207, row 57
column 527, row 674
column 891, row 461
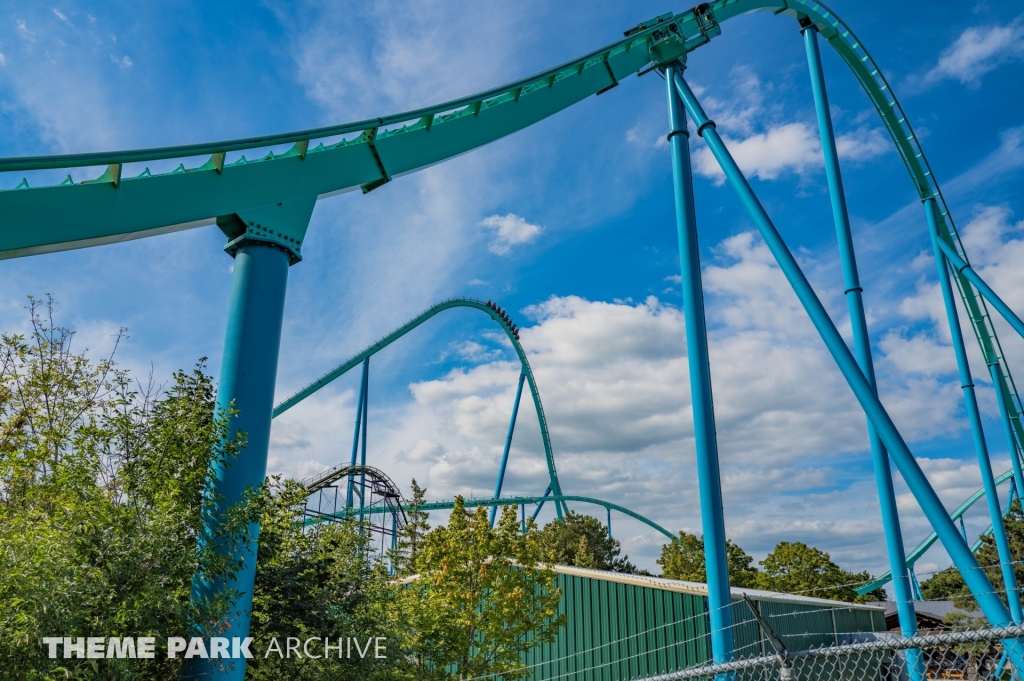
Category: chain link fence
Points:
column 975, row 654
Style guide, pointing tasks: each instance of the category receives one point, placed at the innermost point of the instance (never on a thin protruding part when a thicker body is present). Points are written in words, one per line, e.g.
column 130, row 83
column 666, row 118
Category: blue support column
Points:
column 708, row 475
column 961, row 266
column 609, row 522
column 508, row 446
column 917, row 585
column 974, row 416
column 247, row 376
column 541, row 504
column 522, row 508
column 862, row 344
column 366, row 423
column 355, row 434
column 1011, row 441
column 915, row 478
column 394, row 545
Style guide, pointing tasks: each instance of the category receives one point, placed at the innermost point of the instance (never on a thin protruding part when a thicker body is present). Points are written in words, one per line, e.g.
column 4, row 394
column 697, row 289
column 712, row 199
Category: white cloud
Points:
column 645, row 136
column 766, row 147
column 791, row 146
column 3, row 59
column 24, row 31
column 509, row 230
column 60, row 15
column 862, row 144
column 424, row 450
column 614, row 380
column 124, row 62
column 977, row 51
column 917, row 353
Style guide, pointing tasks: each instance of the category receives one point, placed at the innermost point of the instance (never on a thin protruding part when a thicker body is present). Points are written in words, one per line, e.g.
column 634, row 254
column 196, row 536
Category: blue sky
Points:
column 570, row 226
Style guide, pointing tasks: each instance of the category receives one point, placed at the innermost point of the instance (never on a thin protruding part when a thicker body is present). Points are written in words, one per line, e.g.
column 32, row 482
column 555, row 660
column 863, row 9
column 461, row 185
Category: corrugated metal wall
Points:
column 617, row 632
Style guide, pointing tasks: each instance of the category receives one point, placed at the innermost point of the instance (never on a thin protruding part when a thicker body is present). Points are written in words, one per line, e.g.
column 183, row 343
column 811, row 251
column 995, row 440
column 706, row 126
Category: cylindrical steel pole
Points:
column 536, row 512
column 861, row 341
column 705, row 438
column 974, row 417
column 508, row 446
column 961, row 266
column 366, row 423
column 355, row 434
column 247, row 376
column 394, row 542
column 915, row 478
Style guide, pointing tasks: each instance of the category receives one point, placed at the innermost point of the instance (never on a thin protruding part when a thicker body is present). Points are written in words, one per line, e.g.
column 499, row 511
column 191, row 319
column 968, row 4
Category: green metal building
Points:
column 622, row 627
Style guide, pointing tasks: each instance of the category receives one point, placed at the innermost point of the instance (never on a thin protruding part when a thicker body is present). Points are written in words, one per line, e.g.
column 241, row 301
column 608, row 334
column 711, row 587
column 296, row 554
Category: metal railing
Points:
column 971, row 654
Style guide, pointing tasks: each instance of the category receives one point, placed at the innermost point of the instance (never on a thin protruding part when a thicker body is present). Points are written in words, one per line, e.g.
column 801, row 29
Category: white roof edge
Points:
column 699, row 589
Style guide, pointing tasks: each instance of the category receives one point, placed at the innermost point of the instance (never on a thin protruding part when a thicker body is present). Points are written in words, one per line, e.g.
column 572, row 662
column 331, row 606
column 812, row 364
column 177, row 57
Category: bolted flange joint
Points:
column 258, row 233
column 282, row 225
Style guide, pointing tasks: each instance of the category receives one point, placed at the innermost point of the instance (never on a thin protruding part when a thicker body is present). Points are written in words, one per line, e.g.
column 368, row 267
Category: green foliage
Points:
column 481, row 598
column 101, row 491
column 793, row 567
column 582, row 541
column 796, row 568
column 949, row 584
column 683, row 559
column 316, row 582
column 412, row 535
column 101, row 531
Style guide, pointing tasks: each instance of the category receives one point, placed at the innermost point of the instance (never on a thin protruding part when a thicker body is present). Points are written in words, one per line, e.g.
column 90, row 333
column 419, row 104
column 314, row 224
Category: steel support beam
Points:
column 366, row 423
column 965, row 269
column 915, row 478
column 359, row 420
column 508, row 446
column 861, row 340
column 974, row 416
column 540, row 504
column 705, row 438
column 247, row 376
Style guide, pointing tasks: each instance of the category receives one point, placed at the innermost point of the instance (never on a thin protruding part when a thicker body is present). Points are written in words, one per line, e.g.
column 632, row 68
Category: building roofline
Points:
column 699, row 589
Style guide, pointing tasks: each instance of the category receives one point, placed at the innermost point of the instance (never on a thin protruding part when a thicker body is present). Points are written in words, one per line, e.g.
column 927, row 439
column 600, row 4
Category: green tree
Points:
column 316, row 582
column 683, row 558
column 106, row 477
column 582, row 541
column 411, row 536
column 796, row 568
column 482, row 597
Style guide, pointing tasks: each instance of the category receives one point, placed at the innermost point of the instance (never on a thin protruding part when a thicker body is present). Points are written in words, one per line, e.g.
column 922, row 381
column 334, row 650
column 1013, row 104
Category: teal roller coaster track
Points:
column 263, row 206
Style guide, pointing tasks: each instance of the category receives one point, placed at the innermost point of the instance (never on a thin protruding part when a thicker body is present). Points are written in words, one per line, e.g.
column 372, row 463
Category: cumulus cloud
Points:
column 862, row 144
column 423, row 450
column 614, row 381
column 791, row 146
column 765, row 146
column 977, row 51
column 509, row 230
